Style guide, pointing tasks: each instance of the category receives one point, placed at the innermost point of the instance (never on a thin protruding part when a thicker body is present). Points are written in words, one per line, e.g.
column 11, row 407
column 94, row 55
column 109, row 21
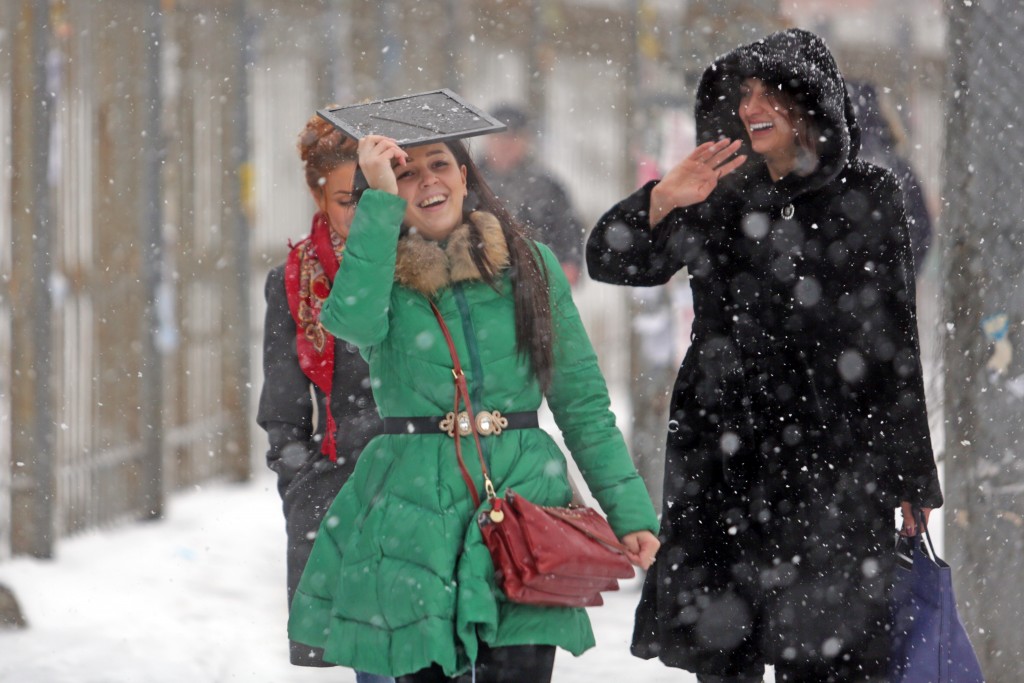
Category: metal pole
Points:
column 238, row 446
column 152, row 249
column 44, row 500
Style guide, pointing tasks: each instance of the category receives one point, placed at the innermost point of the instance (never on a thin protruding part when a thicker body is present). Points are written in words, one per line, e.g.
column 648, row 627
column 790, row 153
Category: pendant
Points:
column 788, row 211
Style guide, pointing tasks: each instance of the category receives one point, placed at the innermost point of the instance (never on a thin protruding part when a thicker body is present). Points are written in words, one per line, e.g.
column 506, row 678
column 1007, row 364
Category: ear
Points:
column 464, row 186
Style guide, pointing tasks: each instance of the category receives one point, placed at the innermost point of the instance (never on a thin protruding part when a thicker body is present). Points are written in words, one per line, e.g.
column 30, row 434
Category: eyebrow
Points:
column 394, row 162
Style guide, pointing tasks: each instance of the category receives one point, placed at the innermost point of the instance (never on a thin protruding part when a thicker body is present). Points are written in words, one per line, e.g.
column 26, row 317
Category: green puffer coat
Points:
column 399, row 576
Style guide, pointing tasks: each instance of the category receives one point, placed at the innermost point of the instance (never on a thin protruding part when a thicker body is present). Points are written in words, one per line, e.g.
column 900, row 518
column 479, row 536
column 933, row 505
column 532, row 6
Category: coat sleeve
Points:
column 901, row 409
column 286, row 406
column 310, row 616
column 578, row 398
column 357, row 308
column 623, row 249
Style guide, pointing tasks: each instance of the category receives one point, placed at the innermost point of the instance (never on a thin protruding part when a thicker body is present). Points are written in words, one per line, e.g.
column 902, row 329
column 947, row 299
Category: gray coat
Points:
column 307, row 480
column 540, row 202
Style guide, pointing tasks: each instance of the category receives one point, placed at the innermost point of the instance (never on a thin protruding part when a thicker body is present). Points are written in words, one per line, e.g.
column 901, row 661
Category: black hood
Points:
column 799, row 62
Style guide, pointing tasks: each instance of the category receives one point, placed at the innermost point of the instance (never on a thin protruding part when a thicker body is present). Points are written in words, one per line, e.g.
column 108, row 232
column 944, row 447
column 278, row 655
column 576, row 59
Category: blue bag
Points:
column 930, row 644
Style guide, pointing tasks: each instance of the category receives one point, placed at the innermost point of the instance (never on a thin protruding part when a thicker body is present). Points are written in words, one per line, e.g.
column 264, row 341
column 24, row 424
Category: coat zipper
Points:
column 476, row 389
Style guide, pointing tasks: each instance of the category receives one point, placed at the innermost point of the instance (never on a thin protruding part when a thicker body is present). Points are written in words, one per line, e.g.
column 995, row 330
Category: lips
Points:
column 761, row 126
column 432, row 200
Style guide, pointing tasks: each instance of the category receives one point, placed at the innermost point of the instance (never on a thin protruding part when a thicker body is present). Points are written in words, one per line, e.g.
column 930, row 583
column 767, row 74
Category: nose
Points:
column 428, row 177
column 754, row 103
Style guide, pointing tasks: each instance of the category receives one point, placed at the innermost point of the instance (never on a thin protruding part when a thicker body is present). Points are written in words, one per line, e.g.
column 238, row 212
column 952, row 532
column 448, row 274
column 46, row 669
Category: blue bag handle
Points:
column 906, row 545
column 923, row 525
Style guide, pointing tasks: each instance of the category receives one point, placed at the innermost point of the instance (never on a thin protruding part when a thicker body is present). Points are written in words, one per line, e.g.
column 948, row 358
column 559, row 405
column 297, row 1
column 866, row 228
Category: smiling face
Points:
column 434, row 185
column 769, row 125
column 334, row 197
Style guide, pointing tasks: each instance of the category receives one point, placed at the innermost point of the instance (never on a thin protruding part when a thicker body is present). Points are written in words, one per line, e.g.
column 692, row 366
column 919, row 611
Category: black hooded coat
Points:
column 797, row 421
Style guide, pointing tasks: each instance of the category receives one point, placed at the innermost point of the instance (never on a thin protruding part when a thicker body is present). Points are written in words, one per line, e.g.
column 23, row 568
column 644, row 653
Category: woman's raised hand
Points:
column 692, row 179
column 376, row 154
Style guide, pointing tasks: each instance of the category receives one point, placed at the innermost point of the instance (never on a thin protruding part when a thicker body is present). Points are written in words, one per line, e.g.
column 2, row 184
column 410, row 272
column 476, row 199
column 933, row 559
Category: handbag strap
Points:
column 923, row 525
column 462, row 395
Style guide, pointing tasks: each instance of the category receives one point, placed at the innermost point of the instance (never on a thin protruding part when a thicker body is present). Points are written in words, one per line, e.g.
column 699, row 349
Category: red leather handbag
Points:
column 555, row 556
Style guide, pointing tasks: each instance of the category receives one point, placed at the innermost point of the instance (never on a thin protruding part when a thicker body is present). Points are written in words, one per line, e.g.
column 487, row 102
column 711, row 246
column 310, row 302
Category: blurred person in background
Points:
column 883, row 140
column 532, row 194
column 798, row 419
column 316, row 405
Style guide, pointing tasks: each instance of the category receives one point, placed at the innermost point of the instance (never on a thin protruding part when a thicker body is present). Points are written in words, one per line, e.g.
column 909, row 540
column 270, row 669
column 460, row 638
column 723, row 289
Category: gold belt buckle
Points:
column 487, row 423
column 490, row 422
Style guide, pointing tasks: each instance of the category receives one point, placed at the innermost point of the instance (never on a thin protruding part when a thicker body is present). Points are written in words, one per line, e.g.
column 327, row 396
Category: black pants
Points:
column 705, row 678
column 780, row 676
column 514, row 664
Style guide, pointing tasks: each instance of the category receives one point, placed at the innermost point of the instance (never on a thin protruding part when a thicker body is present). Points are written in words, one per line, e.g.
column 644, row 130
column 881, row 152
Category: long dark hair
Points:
column 530, row 287
column 800, row 119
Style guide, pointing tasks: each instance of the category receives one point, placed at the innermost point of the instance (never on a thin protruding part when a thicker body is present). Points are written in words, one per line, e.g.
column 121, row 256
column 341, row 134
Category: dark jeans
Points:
column 363, row 677
column 513, row 664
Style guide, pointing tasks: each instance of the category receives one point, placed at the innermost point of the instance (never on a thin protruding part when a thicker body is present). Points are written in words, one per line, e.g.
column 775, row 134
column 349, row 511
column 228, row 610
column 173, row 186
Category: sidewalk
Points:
column 199, row 597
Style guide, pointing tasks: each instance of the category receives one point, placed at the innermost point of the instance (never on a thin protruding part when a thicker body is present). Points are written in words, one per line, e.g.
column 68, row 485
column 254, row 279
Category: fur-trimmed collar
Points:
column 428, row 266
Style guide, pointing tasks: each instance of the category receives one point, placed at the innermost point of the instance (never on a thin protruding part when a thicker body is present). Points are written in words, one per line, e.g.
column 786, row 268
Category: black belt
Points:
column 487, row 423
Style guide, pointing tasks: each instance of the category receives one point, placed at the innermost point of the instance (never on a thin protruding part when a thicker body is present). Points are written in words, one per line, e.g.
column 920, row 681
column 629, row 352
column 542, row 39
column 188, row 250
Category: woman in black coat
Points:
column 798, row 419
column 316, row 405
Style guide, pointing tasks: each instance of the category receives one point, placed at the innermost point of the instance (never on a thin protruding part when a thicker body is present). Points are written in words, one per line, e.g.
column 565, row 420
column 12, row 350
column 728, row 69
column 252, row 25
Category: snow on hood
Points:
column 799, row 62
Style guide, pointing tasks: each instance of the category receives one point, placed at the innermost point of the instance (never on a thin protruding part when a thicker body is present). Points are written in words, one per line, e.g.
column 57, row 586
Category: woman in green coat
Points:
column 399, row 581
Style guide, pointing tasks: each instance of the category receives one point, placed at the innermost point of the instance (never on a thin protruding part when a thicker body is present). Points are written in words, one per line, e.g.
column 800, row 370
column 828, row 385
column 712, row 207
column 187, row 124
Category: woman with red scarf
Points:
column 316, row 405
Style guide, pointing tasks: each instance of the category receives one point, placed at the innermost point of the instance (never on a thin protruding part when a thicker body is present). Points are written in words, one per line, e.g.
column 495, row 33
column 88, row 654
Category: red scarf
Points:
column 308, row 276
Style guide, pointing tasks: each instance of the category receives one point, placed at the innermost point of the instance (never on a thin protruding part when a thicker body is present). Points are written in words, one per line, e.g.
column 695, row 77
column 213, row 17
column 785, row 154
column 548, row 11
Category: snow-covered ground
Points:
column 199, row 597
